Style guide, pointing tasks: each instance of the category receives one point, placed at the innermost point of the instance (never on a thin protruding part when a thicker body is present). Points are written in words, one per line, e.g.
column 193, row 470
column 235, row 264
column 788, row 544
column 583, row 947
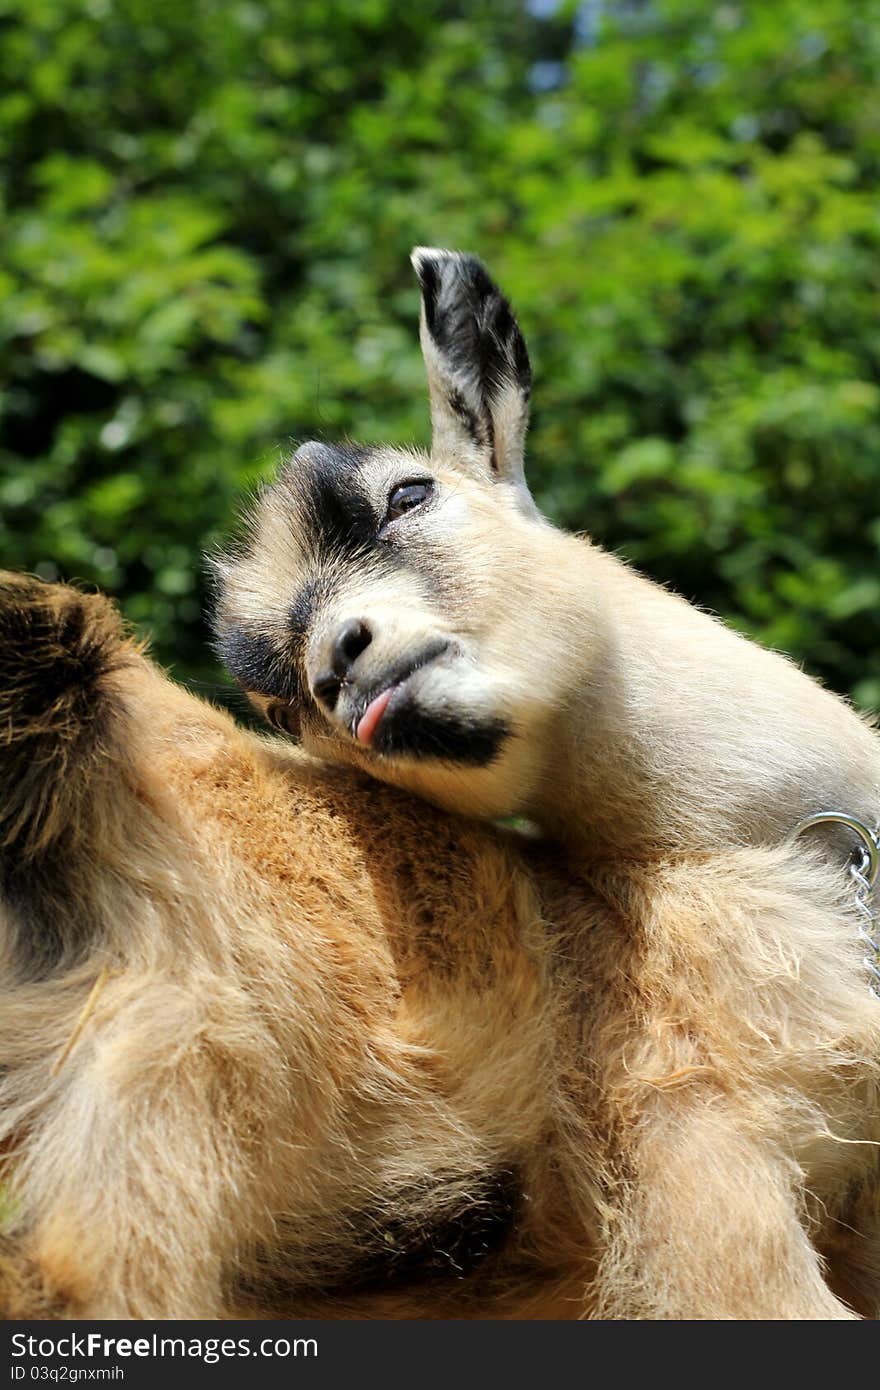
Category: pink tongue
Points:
column 371, row 716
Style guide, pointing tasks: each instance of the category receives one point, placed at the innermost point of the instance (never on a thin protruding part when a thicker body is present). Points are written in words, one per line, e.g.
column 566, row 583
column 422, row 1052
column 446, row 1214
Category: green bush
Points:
column 207, row 213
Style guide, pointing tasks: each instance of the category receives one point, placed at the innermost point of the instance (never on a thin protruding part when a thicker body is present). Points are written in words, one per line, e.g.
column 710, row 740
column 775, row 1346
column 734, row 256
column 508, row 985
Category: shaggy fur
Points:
column 275, row 1041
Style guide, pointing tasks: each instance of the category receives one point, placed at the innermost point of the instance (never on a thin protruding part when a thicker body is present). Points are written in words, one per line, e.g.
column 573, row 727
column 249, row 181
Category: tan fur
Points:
column 323, row 1000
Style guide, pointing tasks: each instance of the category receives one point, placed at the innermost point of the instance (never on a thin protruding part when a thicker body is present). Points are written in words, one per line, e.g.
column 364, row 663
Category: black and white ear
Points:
column 479, row 375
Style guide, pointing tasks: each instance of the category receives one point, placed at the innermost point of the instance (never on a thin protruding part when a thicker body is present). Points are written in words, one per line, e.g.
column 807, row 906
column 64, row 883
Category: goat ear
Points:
column 479, row 375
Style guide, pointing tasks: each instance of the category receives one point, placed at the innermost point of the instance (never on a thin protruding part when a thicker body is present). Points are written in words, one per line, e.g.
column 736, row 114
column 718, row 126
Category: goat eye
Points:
column 406, row 498
column 285, row 718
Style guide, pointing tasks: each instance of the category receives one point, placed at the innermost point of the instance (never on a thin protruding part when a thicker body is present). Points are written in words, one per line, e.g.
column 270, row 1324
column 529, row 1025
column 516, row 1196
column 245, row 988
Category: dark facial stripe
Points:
column 302, row 611
column 414, row 733
column 252, row 661
column 331, row 511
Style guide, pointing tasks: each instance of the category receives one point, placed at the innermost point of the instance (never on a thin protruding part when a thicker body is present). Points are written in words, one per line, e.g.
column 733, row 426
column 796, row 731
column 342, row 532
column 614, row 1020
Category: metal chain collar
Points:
column 864, row 866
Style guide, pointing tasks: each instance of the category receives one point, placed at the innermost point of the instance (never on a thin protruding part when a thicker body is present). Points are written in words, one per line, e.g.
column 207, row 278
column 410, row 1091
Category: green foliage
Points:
column 207, row 213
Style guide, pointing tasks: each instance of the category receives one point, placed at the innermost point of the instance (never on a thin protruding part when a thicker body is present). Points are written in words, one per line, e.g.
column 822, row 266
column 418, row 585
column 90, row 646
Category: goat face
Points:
column 384, row 605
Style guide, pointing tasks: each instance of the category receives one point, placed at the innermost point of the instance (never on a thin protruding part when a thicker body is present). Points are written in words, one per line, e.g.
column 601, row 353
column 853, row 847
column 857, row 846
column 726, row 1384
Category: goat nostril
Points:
column 352, row 638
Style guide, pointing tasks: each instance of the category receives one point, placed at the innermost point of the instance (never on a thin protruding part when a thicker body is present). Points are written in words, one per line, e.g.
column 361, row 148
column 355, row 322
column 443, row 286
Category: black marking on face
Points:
column 255, row 663
column 415, row 733
column 333, row 513
column 301, row 613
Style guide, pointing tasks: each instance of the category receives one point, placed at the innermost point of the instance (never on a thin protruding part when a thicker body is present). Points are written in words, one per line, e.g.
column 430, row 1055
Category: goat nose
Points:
column 349, row 640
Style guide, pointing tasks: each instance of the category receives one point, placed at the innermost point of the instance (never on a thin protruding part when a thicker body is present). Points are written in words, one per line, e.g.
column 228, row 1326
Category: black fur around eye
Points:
column 284, row 718
column 406, row 497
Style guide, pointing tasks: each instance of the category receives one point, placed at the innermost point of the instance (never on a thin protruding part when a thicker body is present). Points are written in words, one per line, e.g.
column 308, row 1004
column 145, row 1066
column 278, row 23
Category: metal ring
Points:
column 869, row 841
